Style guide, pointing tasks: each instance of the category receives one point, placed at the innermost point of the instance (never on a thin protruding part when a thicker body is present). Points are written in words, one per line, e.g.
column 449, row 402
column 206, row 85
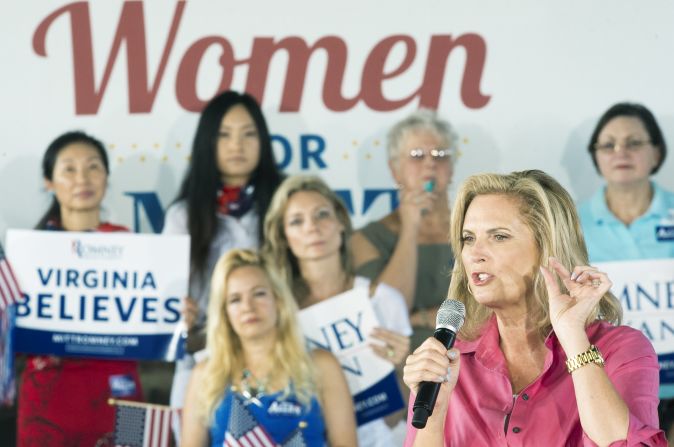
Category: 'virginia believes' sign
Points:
column 106, row 295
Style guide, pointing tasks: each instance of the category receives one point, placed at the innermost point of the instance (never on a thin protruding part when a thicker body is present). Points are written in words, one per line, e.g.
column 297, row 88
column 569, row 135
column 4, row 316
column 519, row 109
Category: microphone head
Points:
column 451, row 315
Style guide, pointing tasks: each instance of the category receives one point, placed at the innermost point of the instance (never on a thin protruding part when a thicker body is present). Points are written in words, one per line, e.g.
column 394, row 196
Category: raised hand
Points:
column 413, row 202
column 570, row 310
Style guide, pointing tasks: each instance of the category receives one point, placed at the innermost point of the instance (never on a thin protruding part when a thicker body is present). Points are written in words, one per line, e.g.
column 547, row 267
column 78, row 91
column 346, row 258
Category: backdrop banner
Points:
column 522, row 82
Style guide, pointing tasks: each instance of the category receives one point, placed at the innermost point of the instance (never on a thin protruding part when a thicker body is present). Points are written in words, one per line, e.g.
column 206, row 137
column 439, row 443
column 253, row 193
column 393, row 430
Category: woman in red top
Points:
column 64, row 401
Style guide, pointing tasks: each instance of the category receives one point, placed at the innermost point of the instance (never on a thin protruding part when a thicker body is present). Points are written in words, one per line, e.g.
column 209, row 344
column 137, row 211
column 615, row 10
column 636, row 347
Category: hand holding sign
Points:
column 394, row 347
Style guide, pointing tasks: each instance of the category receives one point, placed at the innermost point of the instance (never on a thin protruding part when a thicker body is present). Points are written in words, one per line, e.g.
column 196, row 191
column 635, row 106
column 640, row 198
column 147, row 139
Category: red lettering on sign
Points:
column 142, row 93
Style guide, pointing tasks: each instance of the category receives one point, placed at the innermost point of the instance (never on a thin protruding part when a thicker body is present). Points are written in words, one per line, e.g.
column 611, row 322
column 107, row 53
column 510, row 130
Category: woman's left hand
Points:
column 190, row 312
column 395, row 348
column 569, row 311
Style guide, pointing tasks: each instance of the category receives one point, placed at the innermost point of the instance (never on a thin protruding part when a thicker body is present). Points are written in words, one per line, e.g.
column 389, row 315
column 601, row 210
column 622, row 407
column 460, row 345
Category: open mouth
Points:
column 481, row 278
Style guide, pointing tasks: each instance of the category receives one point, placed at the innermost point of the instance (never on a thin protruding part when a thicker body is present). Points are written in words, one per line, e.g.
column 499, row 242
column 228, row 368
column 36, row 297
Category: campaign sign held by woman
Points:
column 99, row 295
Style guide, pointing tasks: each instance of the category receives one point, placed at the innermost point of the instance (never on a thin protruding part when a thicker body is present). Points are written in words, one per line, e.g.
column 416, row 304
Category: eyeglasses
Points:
column 628, row 145
column 418, row 154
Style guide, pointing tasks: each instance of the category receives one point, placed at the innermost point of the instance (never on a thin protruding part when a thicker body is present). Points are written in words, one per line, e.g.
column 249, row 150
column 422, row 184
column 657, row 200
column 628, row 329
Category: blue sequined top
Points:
column 270, row 420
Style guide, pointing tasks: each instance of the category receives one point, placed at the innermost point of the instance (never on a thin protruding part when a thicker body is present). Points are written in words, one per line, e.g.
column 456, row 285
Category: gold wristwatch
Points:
column 592, row 355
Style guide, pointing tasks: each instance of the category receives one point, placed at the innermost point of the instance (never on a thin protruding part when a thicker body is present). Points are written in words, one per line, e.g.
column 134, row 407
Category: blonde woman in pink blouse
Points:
column 541, row 359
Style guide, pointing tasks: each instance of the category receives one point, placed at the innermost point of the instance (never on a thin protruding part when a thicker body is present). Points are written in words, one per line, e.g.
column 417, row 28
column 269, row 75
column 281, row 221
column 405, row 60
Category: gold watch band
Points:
column 592, row 355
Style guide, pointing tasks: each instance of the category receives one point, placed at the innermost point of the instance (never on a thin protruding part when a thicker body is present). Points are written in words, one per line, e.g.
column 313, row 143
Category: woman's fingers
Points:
column 386, row 335
column 550, row 282
column 417, row 199
column 391, row 338
column 431, row 343
column 395, row 346
column 419, row 371
column 581, row 269
column 595, row 281
column 582, row 275
column 190, row 311
column 555, row 266
column 430, row 359
column 429, row 365
column 389, row 353
column 414, row 376
column 587, row 275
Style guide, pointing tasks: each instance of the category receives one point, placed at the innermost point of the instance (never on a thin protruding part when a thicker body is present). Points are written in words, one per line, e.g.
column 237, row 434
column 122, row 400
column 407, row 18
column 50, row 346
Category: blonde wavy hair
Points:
column 276, row 247
column 225, row 364
column 550, row 213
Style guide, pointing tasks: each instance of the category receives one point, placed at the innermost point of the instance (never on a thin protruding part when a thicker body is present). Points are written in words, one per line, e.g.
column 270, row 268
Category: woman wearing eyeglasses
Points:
column 631, row 217
column 408, row 248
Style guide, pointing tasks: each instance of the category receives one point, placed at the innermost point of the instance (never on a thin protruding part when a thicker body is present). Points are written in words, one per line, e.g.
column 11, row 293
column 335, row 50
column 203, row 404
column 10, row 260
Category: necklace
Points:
column 252, row 388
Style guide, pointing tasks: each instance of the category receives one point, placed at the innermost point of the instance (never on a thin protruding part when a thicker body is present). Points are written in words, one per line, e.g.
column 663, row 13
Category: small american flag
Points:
column 142, row 425
column 243, row 430
column 10, row 292
column 7, row 380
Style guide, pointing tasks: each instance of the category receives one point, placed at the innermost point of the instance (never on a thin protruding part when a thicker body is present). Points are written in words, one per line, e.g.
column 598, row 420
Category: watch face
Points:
column 599, row 359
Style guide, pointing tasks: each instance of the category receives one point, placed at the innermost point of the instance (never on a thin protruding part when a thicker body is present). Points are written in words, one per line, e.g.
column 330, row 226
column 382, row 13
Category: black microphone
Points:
column 447, row 324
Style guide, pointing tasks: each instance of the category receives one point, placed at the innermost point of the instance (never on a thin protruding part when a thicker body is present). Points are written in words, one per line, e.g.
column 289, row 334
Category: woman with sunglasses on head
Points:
column 63, row 401
column 631, row 217
column 408, row 248
column 620, row 220
column 221, row 204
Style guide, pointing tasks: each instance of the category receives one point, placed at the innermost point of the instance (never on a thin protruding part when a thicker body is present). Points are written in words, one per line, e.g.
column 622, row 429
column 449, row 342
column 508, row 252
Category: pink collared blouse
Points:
column 483, row 411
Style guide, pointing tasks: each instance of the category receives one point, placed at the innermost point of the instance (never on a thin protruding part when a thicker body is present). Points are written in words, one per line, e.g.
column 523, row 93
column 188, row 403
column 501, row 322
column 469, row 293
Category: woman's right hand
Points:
column 190, row 311
column 431, row 362
column 413, row 202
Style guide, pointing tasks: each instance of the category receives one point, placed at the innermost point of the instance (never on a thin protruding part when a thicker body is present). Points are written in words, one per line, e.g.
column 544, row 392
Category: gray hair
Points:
column 422, row 119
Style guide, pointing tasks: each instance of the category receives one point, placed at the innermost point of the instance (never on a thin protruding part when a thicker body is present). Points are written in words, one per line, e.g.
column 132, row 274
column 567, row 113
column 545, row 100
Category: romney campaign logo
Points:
column 94, row 251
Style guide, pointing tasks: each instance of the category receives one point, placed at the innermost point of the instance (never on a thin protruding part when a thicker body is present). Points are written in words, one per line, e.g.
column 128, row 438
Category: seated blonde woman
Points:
column 259, row 385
